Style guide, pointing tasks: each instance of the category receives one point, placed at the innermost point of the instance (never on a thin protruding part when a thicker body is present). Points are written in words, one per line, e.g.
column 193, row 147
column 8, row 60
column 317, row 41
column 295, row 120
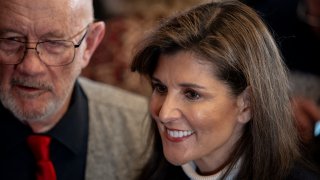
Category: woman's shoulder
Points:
column 302, row 172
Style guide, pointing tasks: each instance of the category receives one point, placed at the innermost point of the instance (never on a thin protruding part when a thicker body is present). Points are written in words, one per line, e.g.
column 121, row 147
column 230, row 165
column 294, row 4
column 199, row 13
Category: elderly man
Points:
column 86, row 130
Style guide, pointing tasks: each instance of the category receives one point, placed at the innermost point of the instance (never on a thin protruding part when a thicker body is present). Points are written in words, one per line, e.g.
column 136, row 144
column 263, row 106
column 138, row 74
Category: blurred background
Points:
column 294, row 23
column 127, row 22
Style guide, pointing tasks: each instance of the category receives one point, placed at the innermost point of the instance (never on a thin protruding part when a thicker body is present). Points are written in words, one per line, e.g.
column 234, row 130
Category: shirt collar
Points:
column 72, row 129
column 190, row 170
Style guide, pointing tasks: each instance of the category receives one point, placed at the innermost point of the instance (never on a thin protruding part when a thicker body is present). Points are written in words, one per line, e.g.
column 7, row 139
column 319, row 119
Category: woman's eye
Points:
column 159, row 88
column 192, row 95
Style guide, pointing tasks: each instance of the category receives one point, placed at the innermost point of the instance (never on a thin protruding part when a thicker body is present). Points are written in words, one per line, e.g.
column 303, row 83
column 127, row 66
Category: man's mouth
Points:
column 30, row 86
column 27, row 88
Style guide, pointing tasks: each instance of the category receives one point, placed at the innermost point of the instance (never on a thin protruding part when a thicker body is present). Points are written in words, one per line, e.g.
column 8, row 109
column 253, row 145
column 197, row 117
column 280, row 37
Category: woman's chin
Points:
column 176, row 160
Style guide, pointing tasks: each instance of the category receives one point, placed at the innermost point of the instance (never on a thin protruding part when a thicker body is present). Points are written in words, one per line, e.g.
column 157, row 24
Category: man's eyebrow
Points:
column 54, row 34
column 9, row 30
column 51, row 34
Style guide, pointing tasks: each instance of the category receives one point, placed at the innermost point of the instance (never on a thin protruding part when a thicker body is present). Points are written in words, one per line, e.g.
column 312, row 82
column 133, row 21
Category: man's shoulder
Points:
column 107, row 95
column 117, row 127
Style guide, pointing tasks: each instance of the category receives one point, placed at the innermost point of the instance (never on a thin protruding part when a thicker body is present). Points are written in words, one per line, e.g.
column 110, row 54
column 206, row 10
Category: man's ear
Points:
column 94, row 37
column 244, row 106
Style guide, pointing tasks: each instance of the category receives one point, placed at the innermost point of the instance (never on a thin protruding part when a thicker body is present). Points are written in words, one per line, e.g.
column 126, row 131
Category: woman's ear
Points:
column 94, row 37
column 244, row 105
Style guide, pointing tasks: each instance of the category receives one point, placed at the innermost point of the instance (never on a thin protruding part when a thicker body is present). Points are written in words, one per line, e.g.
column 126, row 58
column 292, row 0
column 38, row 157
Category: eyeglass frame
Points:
column 75, row 46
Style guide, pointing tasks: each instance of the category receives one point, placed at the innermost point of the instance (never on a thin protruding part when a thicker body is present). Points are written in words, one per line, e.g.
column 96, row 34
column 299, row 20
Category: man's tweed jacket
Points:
column 118, row 123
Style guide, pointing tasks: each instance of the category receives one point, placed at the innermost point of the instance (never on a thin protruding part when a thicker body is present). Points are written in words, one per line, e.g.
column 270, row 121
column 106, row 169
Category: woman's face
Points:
column 197, row 116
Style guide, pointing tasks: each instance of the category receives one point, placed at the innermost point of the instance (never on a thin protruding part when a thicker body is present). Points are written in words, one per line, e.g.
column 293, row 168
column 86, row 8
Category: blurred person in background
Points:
column 296, row 25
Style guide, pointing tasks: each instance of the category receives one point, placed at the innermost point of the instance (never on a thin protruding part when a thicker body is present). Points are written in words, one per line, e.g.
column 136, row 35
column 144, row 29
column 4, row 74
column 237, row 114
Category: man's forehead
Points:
column 35, row 11
column 39, row 17
column 42, row 5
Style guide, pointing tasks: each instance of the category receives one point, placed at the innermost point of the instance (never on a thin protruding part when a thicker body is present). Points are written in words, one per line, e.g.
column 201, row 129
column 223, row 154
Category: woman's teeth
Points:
column 179, row 134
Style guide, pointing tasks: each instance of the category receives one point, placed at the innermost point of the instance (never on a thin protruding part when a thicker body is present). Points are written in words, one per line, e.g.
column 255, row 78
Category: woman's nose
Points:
column 170, row 110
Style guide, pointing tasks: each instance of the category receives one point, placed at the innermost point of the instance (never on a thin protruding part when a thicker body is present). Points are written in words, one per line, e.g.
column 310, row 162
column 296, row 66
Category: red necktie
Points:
column 39, row 145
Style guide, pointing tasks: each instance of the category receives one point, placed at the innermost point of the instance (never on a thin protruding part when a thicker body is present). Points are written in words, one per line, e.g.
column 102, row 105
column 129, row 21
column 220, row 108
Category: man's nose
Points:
column 31, row 64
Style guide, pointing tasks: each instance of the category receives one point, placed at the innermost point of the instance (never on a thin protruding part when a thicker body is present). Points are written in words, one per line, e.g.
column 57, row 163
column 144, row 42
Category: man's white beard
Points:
column 51, row 107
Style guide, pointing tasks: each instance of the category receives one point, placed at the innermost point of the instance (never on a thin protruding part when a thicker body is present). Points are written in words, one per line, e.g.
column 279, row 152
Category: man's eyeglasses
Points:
column 51, row 52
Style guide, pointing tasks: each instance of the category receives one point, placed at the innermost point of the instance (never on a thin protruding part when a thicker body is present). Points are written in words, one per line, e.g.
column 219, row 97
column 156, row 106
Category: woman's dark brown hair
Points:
column 233, row 38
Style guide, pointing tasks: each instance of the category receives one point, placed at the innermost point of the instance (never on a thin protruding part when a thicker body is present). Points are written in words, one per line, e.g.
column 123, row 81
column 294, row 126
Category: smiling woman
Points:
column 190, row 110
column 220, row 104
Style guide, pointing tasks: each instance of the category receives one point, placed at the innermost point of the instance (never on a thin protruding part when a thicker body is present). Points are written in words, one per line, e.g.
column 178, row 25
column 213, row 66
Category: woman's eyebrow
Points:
column 185, row 85
column 192, row 85
column 155, row 79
